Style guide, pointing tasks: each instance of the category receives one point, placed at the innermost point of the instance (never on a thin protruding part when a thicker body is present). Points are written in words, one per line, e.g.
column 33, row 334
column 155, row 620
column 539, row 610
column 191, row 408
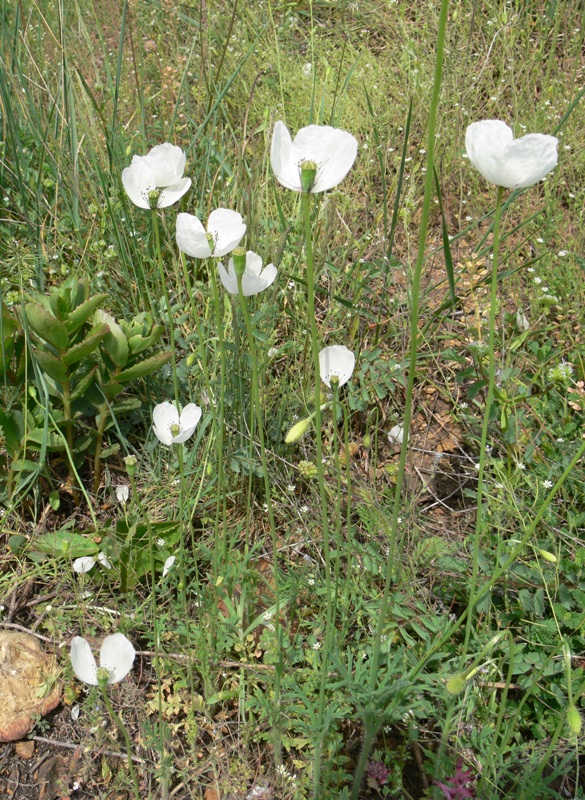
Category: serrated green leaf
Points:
column 115, row 343
column 48, row 327
column 12, row 427
column 82, row 313
column 83, row 385
column 145, row 367
column 86, row 346
column 139, row 343
column 39, row 437
column 126, row 405
column 50, row 364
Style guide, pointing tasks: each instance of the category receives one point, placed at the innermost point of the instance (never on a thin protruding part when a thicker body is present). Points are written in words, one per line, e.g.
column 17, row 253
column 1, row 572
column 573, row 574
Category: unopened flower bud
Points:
column 308, row 175
column 297, row 431
column 367, row 441
column 547, row 556
column 456, row 683
column 130, row 462
column 191, row 359
column 574, row 720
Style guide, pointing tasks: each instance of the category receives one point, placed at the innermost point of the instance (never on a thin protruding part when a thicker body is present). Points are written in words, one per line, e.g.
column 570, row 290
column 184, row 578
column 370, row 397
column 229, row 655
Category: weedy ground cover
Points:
column 319, row 496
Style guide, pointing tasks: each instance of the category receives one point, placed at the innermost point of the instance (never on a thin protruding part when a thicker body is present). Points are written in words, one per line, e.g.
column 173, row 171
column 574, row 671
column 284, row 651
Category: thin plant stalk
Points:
column 276, row 727
column 165, row 294
column 479, row 523
column 306, row 214
column 122, row 728
column 373, row 718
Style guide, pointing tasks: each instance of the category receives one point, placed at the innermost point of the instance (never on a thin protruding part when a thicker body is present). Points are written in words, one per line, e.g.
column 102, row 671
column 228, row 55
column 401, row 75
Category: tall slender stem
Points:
column 260, row 426
column 306, row 213
column 372, row 718
column 486, row 416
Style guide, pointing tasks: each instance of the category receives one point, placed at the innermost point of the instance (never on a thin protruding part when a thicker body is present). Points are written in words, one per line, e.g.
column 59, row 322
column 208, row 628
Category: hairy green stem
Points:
column 255, row 387
column 416, row 280
column 486, row 417
column 321, row 733
column 122, row 728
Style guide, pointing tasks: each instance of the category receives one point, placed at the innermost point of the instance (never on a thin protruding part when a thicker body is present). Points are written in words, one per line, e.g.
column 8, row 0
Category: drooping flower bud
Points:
column 297, row 431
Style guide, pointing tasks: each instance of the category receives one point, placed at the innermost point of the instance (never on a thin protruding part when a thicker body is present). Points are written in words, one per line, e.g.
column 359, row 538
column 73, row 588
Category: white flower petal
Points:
column 171, row 194
column 168, row 564
column 228, row 229
column 104, row 560
column 83, row 662
column 332, row 149
column 396, row 434
column 336, row 361
column 190, row 416
column 163, row 416
column 83, row 564
column 117, row 655
column 508, row 162
column 167, row 162
column 192, row 237
column 254, row 280
column 285, row 169
column 122, row 493
column 228, row 277
column 138, row 181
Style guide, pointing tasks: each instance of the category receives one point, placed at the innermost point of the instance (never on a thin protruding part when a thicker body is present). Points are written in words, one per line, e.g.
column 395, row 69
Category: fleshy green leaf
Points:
column 115, row 343
column 84, row 384
column 45, row 325
column 145, row 367
column 139, row 343
column 85, row 347
column 52, row 365
column 82, row 313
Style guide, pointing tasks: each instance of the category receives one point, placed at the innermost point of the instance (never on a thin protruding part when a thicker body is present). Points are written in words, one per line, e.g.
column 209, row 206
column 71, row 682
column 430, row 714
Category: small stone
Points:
column 28, row 684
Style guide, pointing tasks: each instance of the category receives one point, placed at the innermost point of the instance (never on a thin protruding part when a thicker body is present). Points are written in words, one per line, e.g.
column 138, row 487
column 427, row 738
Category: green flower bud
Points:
column 574, row 720
column 297, row 431
column 367, row 441
column 308, row 175
column 130, row 462
column 456, row 683
column 191, row 359
column 547, row 556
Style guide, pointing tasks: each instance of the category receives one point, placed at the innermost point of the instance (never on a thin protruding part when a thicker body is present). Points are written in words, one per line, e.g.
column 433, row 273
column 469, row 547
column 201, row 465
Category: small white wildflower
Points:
column 304, row 509
column 560, row 440
column 160, row 542
column 563, row 253
column 547, row 484
column 316, row 646
column 464, row 405
column 538, row 280
column 307, row 68
column 531, row 269
column 311, row 581
column 521, row 465
column 122, row 493
column 291, row 487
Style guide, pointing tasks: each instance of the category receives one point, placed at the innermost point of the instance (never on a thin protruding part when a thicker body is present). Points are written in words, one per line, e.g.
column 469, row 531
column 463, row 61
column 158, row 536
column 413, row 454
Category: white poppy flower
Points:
column 156, row 179
column 122, row 493
column 331, row 150
column 116, row 658
column 336, row 361
column 168, row 564
column 254, row 280
column 396, row 434
column 225, row 230
column 522, row 321
column 173, row 427
column 85, row 563
column 508, row 162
